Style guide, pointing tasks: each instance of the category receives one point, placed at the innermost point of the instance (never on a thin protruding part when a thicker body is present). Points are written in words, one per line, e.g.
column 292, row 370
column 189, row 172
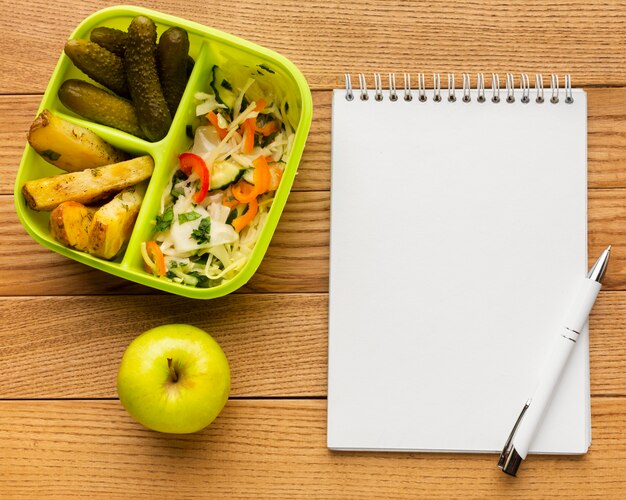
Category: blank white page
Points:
column 458, row 240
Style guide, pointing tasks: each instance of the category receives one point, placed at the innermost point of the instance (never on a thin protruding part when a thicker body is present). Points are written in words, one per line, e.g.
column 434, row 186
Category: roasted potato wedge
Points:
column 87, row 186
column 113, row 223
column 70, row 223
column 68, row 146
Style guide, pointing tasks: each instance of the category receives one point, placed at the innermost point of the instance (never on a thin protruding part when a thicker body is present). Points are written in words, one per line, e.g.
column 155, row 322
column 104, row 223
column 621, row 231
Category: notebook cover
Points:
column 458, row 239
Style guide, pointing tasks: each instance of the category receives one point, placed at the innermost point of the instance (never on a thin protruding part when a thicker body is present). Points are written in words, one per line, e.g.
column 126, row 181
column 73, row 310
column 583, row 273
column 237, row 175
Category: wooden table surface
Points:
column 65, row 326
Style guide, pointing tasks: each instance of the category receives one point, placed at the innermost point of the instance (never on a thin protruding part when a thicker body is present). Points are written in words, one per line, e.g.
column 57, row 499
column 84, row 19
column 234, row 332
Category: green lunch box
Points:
column 208, row 47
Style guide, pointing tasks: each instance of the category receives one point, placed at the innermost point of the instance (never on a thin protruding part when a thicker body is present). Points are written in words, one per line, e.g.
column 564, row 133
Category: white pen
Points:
column 516, row 447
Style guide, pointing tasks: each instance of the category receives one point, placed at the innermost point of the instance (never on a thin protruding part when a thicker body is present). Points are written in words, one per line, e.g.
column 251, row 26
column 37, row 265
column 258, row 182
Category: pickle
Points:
column 172, row 55
column 99, row 64
column 143, row 79
column 115, row 40
column 100, row 106
column 190, row 64
column 110, row 39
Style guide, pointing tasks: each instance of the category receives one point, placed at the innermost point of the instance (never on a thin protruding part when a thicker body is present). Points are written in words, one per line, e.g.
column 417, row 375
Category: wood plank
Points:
column 19, row 112
column 296, row 261
column 607, row 225
column 324, row 39
column 606, row 137
column 607, row 140
column 257, row 449
column 70, row 347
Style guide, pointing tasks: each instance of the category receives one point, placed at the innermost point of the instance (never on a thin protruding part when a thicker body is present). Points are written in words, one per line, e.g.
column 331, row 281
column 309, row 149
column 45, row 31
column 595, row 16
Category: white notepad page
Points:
column 458, row 240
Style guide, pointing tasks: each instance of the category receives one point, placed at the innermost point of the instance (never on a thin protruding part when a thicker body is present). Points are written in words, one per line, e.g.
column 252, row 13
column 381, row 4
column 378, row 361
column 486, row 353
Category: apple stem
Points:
column 173, row 373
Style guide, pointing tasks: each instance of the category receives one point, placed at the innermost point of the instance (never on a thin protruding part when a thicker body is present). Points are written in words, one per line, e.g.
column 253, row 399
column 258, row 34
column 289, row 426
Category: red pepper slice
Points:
column 190, row 162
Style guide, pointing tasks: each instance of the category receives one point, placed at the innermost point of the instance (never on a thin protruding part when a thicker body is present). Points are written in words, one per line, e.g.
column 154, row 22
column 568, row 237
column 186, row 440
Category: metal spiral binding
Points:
column 480, row 87
column 378, row 87
column 554, row 87
column 421, row 87
column 363, row 87
column 436, row 87
column 451, row 89
column 466, row 90
column 407, row 87
column 568, row 89
column 539, row 88
column 393, row 96
column 349, row 94
column 525, row 86
column 510, row 88
column 495, row 87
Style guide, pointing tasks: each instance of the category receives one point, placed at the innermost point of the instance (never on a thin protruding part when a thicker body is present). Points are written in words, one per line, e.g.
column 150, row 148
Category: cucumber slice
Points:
column 223, row 88
column 248, row 175
column 224, row 173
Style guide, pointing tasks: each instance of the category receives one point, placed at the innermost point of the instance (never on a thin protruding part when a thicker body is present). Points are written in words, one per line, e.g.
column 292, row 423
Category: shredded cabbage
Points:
column 200, row 246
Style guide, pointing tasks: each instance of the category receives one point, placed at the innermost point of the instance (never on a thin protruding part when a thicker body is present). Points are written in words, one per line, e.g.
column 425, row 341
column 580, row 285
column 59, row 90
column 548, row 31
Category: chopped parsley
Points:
column 163, row 222
column 179, row 175
column 203, row 233
column 200, row 259
column 202, row 280
column 189, row 216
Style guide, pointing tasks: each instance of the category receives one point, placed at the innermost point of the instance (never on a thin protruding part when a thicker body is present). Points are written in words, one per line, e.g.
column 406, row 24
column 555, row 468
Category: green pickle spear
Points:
column 172, row 53
column 101, row 65
column 110, row 38
column 143, row 79
column 98, row 105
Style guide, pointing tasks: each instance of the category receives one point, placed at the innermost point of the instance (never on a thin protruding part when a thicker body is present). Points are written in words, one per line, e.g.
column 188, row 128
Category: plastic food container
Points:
column 207, row 47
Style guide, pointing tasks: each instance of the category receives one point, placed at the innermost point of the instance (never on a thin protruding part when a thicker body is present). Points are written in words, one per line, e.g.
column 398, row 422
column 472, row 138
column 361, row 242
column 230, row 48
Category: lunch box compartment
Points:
column 208, row 47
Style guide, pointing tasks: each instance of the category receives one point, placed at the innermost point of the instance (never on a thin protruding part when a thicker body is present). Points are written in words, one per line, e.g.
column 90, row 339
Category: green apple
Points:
column 174, row 378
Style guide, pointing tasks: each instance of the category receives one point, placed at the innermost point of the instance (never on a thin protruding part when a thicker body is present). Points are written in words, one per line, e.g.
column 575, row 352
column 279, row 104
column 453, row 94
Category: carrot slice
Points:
column 154, row 251
column 249, row 127
column 243, row 220
column 221, row 132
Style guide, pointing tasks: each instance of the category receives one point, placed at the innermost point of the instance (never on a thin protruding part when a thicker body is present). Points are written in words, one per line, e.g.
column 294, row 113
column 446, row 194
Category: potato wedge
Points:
column 68, row 146
column 88, row 186
column 70, row 223
column 113, row 223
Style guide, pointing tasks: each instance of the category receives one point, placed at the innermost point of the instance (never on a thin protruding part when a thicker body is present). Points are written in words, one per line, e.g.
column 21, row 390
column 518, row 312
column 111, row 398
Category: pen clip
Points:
column 505, row 456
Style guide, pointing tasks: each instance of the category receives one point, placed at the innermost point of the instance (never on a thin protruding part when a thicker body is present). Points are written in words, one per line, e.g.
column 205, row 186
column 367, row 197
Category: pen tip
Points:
column 608, row 249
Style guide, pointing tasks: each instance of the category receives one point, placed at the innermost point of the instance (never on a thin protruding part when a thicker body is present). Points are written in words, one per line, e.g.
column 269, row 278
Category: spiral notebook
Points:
column 458, row 238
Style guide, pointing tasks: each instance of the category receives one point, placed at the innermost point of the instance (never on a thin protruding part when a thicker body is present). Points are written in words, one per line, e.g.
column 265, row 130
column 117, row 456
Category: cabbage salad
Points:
column 217, row 201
